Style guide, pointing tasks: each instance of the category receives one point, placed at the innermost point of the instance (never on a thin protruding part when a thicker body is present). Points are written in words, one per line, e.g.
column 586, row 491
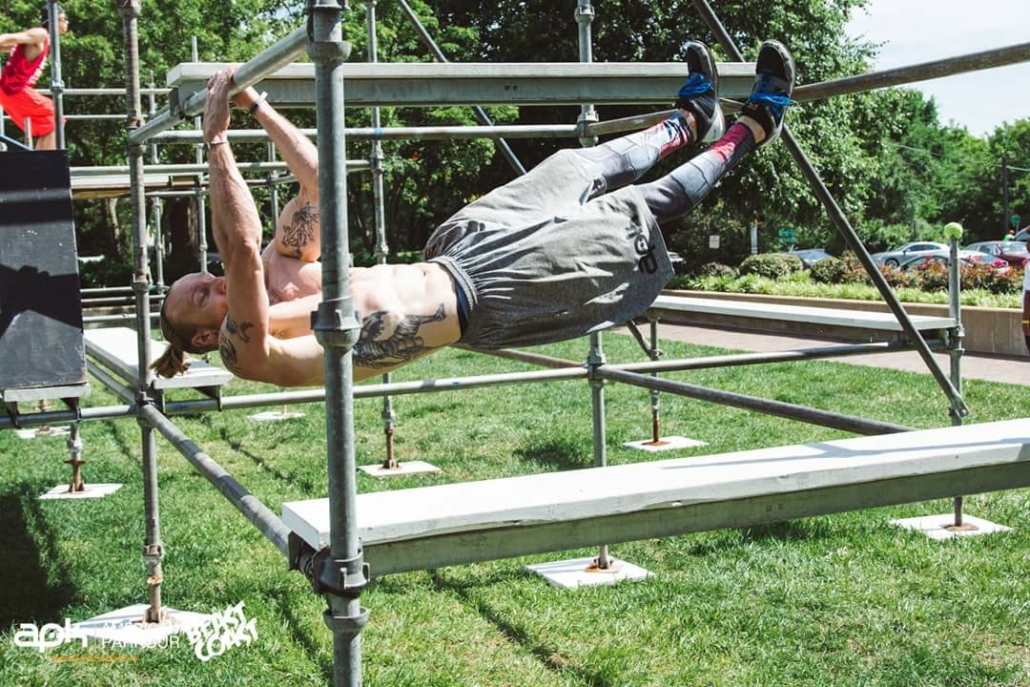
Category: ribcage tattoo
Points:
column 400, row 346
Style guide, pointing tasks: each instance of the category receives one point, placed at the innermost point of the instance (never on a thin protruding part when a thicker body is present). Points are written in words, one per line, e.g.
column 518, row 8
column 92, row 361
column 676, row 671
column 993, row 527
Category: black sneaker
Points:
column 770, row 96
column 700, row 94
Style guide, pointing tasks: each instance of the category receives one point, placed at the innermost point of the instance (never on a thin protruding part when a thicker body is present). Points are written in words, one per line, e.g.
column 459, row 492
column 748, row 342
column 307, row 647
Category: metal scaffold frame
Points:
column 339, row 572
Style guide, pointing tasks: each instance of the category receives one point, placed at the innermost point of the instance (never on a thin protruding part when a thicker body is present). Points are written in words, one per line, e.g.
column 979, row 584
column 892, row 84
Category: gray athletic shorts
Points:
column 539, row 261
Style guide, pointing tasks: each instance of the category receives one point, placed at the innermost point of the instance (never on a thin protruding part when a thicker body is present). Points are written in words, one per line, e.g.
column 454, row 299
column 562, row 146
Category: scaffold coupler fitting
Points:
column 586, row 139
column 326, row 51
column 335, row 324
column 345, row 578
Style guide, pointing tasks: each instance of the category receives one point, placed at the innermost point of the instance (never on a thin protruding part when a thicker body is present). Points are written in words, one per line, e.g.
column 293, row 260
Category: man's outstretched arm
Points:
column 246, row 347
column 33, row 36
column 298, row 233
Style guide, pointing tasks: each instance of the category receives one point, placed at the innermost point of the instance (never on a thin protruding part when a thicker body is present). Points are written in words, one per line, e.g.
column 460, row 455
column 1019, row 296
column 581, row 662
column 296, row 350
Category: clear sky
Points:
column 915, row 31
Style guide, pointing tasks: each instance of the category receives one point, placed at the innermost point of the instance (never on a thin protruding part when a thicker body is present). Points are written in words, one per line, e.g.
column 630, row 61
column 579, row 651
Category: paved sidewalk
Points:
column 990, row 368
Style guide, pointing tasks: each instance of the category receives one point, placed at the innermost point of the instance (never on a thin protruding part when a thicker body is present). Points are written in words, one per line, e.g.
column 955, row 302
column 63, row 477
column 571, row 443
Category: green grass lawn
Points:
column 837, row 600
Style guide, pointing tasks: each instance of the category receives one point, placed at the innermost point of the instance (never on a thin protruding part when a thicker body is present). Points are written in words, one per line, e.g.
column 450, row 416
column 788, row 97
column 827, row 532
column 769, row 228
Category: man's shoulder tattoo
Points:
column 301, row 229
column 226, row 345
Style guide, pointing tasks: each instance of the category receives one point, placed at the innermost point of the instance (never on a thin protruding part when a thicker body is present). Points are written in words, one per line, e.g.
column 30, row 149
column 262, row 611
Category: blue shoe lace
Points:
column 697, row 84
column 762, row 95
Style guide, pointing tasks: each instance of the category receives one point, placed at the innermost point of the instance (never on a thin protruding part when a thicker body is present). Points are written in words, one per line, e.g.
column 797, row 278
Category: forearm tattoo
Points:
column 301, row 229
column 227, row 348
column 401, row 346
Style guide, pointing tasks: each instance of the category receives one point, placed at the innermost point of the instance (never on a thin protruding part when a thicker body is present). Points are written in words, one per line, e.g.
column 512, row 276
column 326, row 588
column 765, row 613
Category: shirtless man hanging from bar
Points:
column 569, row 248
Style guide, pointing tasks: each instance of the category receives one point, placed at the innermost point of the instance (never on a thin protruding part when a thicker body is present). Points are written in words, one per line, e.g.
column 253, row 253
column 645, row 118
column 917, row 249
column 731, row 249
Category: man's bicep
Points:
column 298, row 232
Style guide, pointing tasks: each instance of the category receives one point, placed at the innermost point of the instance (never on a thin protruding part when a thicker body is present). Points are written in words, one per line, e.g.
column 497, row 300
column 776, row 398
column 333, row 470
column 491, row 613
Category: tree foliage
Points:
column 893, row 168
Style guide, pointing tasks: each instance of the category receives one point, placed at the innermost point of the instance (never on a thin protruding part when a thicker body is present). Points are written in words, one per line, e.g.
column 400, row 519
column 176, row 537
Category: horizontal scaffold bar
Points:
column 428, row 83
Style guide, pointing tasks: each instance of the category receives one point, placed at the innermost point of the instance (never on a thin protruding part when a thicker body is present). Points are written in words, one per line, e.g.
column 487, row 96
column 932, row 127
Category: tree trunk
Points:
column 180, row 224
column 111, row 245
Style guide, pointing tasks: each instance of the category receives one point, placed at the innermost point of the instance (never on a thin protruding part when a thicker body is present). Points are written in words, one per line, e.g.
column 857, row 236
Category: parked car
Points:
column 1012, row 252
column 1023, row 235
column 810, row 256
column 969, row 258
column 905, row 252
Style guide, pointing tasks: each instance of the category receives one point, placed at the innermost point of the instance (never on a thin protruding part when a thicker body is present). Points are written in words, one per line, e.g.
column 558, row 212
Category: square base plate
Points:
column 665, row 444
column 934, row 526
column 124, row 626
column 43, row 432
column 92, row 491
column 274, row 416
column 579, row 572
column 408, row 467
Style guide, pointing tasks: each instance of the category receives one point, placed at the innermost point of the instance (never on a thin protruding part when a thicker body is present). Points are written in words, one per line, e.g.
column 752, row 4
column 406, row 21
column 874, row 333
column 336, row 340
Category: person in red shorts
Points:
column 22, row 103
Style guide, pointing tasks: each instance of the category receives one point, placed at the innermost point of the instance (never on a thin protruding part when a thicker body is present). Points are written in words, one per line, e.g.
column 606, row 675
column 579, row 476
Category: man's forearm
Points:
column 299, row 153
column 237, row 225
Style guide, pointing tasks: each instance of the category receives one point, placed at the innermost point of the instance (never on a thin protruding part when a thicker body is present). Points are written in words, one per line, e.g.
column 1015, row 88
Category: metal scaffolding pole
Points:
column 779, row 408
column 153, row 548
column 382, row 251
column 988, row 59
column 480, row 113
column 199, row 197
column 198, row 168
column 267, row 522
column 844, row 227
column 274, row 58
column 155, row 201
column 341, row 574
column 56, row 83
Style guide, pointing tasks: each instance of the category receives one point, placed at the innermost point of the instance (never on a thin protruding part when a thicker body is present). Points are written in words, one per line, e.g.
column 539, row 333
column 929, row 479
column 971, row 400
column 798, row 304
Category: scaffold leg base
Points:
column 91, row 491
column 941, row 527
column 665, row 444
column 408, row 467
column 275, row 416
column 582, row 572
column 125, row 627
column 43, row 432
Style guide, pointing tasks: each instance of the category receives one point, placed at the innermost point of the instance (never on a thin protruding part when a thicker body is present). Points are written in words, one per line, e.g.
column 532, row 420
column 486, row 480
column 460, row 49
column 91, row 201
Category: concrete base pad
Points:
column 274, row 416
column 43, row 432
column 579, row 572
column 408, row 467
column 125, row 626
column 665, row 444
column 936, row 526
column 92, row 491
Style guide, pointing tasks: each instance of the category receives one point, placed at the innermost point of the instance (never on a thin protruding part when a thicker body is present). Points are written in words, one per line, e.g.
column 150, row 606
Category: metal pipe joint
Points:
column 335, row 325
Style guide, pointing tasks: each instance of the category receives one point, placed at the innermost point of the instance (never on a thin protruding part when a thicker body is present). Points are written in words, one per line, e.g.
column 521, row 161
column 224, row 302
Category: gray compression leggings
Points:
column 624, row 160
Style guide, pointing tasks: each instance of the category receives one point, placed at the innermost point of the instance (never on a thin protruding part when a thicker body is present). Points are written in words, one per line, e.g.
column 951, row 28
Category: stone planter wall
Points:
column 993, row 331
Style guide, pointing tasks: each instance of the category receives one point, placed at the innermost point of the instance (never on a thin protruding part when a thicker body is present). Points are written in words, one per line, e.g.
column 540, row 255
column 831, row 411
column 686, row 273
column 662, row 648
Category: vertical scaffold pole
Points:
column 198, row 124
column 155, row 203
column 955, row 350
column 153, row 549
column 382, row 245
column 56, row 82
column 584, row 16
column 342, row 574
column 587, row 115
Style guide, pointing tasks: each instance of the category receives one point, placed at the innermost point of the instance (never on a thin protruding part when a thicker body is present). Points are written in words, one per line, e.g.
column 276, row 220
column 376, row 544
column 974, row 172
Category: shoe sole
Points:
column 718, row 120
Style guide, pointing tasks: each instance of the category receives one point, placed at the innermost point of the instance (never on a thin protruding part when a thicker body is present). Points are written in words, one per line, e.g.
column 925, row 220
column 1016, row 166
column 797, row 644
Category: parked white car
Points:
column 905, row 252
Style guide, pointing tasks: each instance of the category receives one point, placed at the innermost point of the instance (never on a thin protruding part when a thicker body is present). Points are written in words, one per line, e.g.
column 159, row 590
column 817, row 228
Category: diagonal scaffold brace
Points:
column 958, row 407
